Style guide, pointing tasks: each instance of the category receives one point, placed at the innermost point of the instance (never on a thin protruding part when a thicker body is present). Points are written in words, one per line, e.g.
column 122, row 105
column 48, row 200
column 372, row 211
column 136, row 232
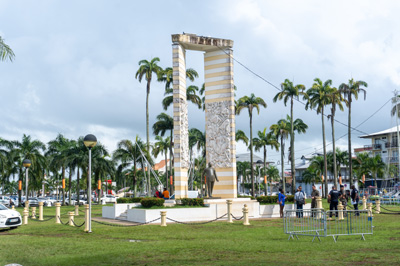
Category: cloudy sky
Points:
column 76, row 60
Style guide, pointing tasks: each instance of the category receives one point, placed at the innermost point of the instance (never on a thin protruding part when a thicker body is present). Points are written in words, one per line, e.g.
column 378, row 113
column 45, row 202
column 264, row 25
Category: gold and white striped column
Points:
column 181, row 135
column 220, row 120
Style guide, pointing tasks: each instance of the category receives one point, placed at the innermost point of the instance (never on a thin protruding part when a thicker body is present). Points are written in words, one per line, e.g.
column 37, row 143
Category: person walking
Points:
column 314, row 195
column 333, row 199
column 281, row 200
column 300, row 198
column 355, row 199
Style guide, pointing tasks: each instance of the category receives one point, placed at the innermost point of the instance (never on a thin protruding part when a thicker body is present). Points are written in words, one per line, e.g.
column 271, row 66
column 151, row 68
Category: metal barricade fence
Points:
column 318, row 223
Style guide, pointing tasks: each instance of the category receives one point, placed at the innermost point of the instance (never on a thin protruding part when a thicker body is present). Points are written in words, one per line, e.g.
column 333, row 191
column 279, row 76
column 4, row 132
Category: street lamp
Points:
column 90, row 141
column 26, row 163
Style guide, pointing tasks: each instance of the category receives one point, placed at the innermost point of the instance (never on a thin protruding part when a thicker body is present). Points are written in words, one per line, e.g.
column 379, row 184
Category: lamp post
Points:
column 26, row 163
column 90, row 141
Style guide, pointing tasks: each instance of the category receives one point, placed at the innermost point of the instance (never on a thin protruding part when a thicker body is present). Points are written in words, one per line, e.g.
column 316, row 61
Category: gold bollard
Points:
column 33, row 212
column 76, row 210
column 41, row 211
column 71, row 218
column 163, row 218
column 319, row 206
column 86, row 218
column 364, row 203
column 378, row 206
column 229, row 205
column 26, row 214
column 27, row 206
column 58, row 213
column 340, row 210
column 246, row 215
column 13, row 208
column 370, row 210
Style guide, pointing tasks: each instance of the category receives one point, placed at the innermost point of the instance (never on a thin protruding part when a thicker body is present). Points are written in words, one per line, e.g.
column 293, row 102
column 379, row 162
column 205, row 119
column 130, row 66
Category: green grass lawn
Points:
column 218, row 243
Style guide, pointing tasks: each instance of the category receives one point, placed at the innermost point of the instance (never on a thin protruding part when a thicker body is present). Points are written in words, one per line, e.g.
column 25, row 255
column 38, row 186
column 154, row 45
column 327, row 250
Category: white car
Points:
column 9, row 218
column 108, row 199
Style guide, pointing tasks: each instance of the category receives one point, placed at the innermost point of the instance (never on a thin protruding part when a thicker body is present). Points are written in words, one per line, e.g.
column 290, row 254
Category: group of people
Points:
column 333, row 199
column 162, row 195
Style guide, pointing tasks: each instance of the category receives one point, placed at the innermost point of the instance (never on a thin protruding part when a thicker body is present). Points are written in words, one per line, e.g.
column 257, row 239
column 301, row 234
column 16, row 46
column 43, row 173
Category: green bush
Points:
column 129, row 200
column 192, row 202
column 150, row 202
column 273, row 199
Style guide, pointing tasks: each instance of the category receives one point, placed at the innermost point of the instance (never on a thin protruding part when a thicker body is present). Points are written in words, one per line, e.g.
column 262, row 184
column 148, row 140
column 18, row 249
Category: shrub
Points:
column 150, row 202
column 129, row 200
column 274, row 199
column 192, row 202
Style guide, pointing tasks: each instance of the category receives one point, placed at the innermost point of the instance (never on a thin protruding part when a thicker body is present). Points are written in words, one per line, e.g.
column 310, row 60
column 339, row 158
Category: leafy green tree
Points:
column 241, row 136
column 317, row 98
column 350, row 90
column 129, row 156
column 167, row 76
column 6, row 53
column 290, row 92
column 265, row 139
column 161, row 146
column 251, row 102
column 146, row 70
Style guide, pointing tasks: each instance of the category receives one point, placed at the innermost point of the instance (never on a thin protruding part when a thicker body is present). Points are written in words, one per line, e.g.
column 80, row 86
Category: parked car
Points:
column 9, row 218
column 33, row 202
column 74, row 201
column 5, row 200
column 108, row 199
column 46, row 201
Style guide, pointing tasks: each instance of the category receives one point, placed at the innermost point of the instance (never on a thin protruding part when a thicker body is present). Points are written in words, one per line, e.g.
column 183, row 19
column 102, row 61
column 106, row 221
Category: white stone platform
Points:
column 216, row 208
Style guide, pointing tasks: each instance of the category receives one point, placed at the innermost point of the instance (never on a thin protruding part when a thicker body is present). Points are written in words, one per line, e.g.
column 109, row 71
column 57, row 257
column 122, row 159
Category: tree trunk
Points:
column 63, row 189
column 147, row 116
column 69, row 185
column 282, row 168
column 292, row 147
column 77, row 186
column 334, row 144
column 325, row 160
column 265, row 174
column 251, row 153
column 349, row 140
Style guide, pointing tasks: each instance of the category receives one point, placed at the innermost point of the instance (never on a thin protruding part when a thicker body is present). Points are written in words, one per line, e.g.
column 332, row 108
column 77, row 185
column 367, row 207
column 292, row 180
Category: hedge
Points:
column 150, row 202
column 192, row 202
column 129, row 200
column 273, row 199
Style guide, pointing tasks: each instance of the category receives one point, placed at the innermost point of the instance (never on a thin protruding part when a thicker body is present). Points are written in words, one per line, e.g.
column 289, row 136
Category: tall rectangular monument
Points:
column 219, row 109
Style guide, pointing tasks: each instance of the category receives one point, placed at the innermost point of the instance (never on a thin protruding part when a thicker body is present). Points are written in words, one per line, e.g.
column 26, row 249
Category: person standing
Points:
column 281, row 199
column 314, row 195
column 333, row 198
column 354, row 199
column 300, row 198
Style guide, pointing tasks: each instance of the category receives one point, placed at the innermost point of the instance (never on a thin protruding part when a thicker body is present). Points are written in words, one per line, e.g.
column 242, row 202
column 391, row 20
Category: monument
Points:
column 219, row 112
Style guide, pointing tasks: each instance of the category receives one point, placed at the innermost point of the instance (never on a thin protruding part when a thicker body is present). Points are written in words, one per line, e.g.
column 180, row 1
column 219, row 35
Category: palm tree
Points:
column 146, row 70
column 77, row 158
column 318, row 97
column 336, row 99
column 289, row 91
column 250, row 103
column 167, row 76
column 376, row 166
column 162, row 147
column 164, row 123
column 317, row 166
column 128, row 154
column 266, row 139
column 56, row 150
column 282, row 130
column 241, row 136
column 353, row 88
column 191, row 96
column 197, row 139
column 5, row 51
column 32, row 150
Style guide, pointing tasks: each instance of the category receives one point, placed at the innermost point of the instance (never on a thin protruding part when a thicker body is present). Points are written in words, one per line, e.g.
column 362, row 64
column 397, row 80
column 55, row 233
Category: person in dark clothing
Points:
column 314, row 195
column 333, row 198
column 355, row 199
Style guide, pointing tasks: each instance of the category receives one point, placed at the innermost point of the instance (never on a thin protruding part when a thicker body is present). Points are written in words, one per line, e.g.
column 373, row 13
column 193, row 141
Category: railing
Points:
column 320, row 223
column 391, row 144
